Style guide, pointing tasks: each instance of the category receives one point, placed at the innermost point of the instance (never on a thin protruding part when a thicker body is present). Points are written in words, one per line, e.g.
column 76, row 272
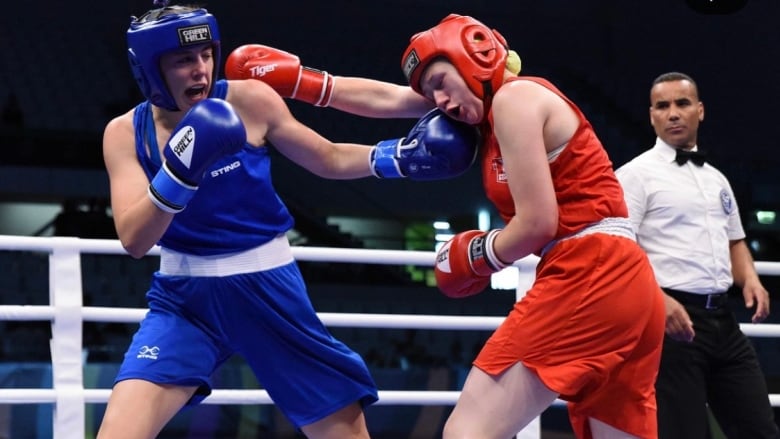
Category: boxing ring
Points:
column 67, row 313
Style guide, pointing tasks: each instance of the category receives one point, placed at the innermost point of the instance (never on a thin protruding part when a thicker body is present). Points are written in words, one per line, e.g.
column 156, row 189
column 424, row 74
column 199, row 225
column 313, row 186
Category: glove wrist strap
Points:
column 482, row 255
column 314, row 86
column 490, row 251
column 168, row 192
column 327, row 92
column 384, row 164
column 372, row 163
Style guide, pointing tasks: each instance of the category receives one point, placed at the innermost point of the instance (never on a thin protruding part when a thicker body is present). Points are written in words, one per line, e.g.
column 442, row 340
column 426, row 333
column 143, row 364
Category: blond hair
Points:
column 513, row 63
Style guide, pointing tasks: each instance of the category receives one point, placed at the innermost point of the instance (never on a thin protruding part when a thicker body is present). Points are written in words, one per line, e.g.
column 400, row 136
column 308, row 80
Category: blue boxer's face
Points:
column 188, row 73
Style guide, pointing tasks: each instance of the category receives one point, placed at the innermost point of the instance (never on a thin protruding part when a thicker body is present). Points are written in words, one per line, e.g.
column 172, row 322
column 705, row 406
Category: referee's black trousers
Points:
column 720, row 369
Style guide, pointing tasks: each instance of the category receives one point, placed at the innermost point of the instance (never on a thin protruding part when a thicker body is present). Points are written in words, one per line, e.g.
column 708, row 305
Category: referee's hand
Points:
column 678, row 323
column 756, row 295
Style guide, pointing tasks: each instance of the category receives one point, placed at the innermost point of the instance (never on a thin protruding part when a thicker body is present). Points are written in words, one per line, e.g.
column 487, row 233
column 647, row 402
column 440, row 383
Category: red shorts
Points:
column 591, row 328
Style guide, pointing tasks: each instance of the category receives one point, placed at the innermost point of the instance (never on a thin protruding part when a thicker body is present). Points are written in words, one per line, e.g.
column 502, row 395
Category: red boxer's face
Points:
column 443, row 84
column 188, row 74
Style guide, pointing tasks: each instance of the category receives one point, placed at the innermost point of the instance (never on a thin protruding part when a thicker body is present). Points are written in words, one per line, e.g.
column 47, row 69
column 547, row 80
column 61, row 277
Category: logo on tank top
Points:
column 726, row 201
column 497, row 166
column 149, row 353
column 225, row 169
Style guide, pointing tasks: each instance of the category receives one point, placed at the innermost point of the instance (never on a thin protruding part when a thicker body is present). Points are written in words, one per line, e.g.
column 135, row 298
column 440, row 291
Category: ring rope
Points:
column 67, row 312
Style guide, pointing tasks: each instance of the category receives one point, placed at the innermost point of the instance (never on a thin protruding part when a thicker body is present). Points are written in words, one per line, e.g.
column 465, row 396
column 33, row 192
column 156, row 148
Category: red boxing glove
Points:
column 464, row 264
column 282, row 71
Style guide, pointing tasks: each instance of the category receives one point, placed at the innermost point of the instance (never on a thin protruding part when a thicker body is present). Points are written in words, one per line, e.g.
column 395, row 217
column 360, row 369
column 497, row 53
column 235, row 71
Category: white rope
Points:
column 239, row 397
column 768, row 268
column 46, row 244
column 70, row 388
column 354, row 320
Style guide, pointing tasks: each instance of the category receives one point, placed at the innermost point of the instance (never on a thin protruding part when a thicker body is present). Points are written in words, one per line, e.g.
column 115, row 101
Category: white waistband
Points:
column 610, row 226
column 274, row 253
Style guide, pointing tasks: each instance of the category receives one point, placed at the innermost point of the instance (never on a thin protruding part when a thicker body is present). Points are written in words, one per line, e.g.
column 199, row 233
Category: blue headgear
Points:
column 154, row 34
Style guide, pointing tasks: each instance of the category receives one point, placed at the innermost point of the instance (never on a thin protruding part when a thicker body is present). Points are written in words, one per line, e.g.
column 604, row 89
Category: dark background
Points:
column 65, row 65
column 65, row 74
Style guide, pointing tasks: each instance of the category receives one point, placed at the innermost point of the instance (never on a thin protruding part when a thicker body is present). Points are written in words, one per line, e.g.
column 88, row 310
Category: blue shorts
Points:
column 195, row 324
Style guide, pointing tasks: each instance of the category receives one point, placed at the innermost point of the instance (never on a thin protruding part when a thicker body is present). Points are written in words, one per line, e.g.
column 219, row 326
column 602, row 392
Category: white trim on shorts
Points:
column 611, row 226
column 272, row 254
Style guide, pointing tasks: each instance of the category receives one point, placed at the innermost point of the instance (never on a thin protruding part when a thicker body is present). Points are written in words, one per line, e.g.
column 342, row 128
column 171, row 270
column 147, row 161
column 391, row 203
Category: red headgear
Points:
column 477, row 52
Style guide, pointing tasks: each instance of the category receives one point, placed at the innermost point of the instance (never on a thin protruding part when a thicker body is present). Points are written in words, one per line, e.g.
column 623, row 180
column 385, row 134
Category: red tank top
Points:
column 585, row 184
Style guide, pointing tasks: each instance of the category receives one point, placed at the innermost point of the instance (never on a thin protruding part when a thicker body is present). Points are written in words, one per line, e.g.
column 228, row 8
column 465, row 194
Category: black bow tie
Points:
column 697, row 157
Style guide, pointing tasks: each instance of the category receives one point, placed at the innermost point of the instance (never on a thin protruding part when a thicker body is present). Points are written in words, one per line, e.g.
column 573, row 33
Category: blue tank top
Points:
column 236, row 206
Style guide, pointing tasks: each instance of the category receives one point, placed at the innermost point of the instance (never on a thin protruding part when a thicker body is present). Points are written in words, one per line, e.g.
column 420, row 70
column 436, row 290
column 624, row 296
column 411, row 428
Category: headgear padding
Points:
column 477, row 52
column 154, row 34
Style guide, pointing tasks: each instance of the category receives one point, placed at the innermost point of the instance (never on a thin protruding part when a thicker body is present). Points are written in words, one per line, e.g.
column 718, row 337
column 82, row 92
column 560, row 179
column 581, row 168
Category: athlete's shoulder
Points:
column 255, row 100
column 251, row 90
column 120, row 124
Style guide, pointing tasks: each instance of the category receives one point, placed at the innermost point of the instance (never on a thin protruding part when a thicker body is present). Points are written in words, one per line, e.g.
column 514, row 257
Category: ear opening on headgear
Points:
column 479, row 44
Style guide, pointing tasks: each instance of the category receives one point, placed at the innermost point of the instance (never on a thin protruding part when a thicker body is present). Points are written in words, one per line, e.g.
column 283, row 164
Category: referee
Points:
column 687, row 220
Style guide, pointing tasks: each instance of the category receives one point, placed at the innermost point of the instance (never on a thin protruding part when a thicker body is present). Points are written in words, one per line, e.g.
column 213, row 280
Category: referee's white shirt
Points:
column 684, row 217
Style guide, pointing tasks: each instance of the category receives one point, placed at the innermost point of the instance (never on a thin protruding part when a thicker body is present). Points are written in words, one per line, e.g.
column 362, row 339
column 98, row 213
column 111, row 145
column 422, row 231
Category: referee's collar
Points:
column 667, row 151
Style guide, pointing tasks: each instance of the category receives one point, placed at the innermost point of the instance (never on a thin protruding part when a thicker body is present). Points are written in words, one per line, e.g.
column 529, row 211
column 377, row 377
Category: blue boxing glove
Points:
column 437, row 147
column 211, row 129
